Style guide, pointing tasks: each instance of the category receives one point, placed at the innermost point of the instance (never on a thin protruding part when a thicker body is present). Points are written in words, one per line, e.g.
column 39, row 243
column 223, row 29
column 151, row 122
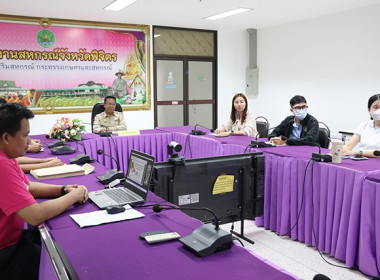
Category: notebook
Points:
column 136, row 186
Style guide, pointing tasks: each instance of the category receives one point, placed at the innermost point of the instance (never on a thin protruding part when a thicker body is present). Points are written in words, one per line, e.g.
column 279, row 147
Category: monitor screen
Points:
column 139, row 170
column 232, row 186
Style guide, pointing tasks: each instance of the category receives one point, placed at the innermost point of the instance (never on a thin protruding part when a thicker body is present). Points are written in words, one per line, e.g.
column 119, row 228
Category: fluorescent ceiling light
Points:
column 229, row 13
column 117, row 5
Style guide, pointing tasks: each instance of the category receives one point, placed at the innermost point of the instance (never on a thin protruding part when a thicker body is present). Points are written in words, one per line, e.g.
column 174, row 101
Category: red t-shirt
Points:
column 14, row 195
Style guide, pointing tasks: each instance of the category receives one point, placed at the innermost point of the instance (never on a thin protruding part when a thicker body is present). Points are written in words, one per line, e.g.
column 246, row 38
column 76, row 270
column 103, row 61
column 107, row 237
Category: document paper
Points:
column 102, row 217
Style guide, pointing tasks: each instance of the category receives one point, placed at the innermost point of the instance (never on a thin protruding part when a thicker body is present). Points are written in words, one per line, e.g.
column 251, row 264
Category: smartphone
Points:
column 359, row 158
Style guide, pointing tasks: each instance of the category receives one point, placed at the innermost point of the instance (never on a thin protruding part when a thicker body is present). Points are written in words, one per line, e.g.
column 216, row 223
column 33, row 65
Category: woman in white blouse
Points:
column 241, row 121
column 366, row 138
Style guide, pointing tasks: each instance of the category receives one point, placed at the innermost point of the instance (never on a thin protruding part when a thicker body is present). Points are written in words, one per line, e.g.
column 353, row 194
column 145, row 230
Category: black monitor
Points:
column 232, row 186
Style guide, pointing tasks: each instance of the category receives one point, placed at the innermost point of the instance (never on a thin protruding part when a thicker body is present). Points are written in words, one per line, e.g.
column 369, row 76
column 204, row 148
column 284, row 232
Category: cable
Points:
column 303, row 196
column 237, row 239
column 246, row 148
column 312, row 222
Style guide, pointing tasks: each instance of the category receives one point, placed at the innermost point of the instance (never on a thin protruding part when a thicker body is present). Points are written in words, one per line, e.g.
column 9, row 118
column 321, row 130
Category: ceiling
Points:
column 186, row 13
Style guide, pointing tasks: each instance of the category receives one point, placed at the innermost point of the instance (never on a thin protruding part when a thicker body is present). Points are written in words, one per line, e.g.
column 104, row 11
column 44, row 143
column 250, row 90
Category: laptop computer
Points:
column 136, row 186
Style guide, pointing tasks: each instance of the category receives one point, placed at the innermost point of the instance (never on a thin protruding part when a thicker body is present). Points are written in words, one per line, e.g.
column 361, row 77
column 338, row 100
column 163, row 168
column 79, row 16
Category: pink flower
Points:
column 73, row 132
column 65, row 125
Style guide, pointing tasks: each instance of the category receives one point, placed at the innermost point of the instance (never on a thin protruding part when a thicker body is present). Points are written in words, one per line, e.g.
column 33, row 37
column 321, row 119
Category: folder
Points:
column 68, row 170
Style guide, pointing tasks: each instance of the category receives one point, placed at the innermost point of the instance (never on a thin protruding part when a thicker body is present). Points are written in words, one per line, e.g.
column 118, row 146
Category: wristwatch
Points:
column 232, row 132
column 360, row 153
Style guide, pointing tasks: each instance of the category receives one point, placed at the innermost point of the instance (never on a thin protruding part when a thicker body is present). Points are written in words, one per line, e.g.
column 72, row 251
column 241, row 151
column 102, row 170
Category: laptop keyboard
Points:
column 119, row 195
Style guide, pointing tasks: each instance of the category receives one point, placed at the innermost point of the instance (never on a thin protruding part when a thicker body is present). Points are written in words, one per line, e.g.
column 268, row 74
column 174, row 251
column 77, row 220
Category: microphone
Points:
column 112, row 174
column 82, row 158
column 196, row 131
column 261, row 144
column 317, row 156
column 101, row 152
column 106, row 133
column 321, row 277
column 206, row 239
column 80, row 143
column 57, row 143
column 376, row 153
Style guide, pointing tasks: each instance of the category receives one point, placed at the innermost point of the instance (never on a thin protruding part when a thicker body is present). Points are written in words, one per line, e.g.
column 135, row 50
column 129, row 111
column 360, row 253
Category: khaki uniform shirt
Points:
column 115, row 122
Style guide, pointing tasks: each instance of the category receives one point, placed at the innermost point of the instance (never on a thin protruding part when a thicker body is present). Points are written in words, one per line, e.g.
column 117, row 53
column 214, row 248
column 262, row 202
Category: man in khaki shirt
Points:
column 109, row 120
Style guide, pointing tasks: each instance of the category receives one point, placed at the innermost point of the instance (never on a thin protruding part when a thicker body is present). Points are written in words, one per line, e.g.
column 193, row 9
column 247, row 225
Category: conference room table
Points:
column 318, row 203
column 115, row 251
column 322, row 204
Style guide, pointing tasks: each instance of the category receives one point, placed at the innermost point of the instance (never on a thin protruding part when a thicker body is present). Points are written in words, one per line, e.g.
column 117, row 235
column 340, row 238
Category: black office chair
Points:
column 262, row 127
column 324, row 135
column 99, row 108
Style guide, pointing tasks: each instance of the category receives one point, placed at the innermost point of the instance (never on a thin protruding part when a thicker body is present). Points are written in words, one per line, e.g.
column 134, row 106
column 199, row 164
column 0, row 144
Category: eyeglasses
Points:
column 298, row 108
column 111, row 104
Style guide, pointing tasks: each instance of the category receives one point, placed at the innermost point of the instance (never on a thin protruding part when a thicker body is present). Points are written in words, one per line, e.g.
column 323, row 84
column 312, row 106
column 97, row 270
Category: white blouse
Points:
column 249, row 125
column 369, row 136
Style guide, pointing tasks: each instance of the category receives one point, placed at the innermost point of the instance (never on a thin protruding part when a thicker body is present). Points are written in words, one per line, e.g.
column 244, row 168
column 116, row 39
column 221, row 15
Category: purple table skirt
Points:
column 345, row 210
column 369, row 241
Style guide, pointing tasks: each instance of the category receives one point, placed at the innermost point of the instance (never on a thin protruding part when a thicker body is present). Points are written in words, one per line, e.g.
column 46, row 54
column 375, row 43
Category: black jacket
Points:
column 309, row 133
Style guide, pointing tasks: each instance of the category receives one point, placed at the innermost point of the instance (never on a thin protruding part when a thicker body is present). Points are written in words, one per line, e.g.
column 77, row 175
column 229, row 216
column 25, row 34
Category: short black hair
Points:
column 2, row 101
column 372, row 99
column 297, row 99
column 109, row 97
column 11, row 115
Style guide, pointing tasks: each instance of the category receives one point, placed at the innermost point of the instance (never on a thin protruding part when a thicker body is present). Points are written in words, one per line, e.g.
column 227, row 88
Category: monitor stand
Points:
column 241, row 234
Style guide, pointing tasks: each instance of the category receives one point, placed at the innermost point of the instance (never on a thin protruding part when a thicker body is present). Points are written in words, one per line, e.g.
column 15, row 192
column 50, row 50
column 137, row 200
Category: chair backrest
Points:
column 262, row 126
column 99, row 108
column 324, row 135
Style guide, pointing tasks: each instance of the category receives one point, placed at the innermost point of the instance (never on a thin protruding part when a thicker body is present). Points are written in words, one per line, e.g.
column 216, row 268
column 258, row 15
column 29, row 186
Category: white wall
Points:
column 233, row 60
column 333, row 61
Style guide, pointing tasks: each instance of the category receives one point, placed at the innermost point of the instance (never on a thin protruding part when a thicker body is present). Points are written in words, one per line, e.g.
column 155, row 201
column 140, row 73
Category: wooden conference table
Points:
column 331, row 203
column 114, row 251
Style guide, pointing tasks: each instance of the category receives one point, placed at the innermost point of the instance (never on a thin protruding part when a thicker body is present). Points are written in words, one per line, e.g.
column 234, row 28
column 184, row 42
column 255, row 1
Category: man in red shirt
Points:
column 19, row 251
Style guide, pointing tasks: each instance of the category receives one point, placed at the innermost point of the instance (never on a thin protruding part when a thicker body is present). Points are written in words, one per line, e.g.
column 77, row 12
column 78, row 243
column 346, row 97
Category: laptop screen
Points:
column 140, row 169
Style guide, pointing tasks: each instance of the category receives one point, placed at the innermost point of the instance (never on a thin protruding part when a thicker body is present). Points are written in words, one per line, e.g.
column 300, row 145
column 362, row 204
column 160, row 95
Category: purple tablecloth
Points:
column 332, row 202
column 114, row 251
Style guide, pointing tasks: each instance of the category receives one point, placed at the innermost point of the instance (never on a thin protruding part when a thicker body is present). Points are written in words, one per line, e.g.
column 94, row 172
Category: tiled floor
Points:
column 296, row 257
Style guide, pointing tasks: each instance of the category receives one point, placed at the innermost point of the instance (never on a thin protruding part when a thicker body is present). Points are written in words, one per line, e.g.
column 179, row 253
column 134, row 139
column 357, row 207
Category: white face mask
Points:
column 300, row 114
column 375, row 114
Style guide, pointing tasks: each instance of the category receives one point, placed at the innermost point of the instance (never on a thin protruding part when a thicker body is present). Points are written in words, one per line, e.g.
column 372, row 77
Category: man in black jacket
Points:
column 299, row 129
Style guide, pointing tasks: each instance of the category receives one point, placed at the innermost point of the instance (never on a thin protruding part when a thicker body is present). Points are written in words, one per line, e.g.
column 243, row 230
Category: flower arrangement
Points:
column 66, row 128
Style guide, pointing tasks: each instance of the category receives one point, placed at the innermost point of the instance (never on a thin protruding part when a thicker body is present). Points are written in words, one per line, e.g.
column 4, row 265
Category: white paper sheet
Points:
column 102, row 217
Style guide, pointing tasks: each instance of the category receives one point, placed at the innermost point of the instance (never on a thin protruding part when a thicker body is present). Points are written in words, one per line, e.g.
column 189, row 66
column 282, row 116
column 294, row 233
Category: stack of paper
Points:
column 58, row 172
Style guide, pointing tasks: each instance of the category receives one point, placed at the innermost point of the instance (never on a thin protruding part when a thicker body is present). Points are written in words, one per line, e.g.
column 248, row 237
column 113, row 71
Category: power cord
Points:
column 302, row 200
